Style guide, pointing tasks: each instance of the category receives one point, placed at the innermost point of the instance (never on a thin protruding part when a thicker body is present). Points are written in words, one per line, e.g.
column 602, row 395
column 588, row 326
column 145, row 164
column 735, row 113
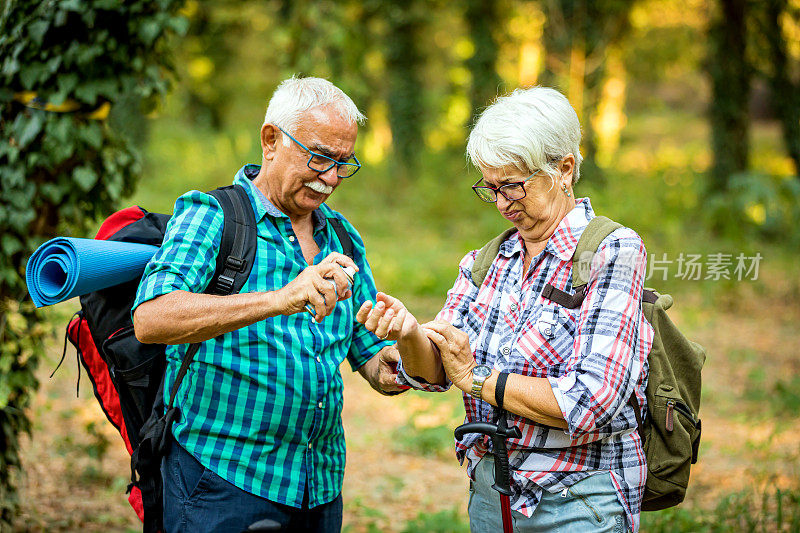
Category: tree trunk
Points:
column 482, row 18
column 785, row 93
column 730, row 83
column 404, row 62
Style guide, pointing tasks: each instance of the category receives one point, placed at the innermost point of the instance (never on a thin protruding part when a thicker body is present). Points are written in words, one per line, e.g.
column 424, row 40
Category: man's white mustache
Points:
column 319, row 187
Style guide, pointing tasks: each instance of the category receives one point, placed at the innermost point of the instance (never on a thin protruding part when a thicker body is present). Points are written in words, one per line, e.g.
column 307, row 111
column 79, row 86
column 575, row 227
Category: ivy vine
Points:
column 64, row 65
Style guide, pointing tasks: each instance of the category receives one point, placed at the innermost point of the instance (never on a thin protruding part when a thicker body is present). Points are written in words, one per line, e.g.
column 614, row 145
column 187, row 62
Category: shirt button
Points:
column 291, row 238
column 319, row 359
column 506, row 350
column 320, row 405
column 548, row 331
column 513, row 307
column 309, row 446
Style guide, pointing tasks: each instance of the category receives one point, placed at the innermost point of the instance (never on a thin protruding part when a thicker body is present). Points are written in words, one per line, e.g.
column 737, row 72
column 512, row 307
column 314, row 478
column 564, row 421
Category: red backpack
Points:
column 126, row 375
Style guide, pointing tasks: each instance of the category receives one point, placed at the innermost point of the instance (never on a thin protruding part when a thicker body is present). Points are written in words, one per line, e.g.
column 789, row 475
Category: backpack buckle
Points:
column 235, row 263
column 224, row 284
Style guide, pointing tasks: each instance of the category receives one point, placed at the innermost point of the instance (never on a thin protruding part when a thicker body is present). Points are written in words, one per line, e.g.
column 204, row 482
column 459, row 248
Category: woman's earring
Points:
column 564, row 188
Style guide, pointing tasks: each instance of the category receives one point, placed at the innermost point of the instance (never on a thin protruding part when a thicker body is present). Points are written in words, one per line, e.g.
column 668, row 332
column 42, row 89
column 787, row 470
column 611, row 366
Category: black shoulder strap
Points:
column 344, row 238
column 237, row 247
column 235, row 259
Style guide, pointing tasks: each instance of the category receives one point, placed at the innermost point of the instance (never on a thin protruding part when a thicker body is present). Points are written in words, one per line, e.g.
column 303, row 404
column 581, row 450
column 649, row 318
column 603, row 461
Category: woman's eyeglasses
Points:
column 510, row 191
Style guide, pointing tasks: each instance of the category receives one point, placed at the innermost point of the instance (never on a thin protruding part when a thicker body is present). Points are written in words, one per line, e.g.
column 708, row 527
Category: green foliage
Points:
column 61, row 170
column 447, row 521
column 757, row 206
column 426, row 442
column 766, row 510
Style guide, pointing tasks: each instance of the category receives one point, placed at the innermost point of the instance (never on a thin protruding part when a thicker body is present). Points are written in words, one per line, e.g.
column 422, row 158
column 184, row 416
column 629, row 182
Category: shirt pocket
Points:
column 547, row 338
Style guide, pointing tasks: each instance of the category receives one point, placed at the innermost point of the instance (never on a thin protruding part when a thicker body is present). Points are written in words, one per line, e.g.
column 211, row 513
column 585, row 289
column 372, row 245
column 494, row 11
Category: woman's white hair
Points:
column 296, row 96
column 531, row 129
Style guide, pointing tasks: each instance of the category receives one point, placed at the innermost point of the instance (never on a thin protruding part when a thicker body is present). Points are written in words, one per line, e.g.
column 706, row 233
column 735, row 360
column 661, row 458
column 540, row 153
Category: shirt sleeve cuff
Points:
column 418, row 383
column 165, row 283
column 561, row 386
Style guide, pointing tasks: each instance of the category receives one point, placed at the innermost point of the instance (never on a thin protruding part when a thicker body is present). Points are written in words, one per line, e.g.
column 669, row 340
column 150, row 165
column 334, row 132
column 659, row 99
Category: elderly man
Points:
column 260, row 434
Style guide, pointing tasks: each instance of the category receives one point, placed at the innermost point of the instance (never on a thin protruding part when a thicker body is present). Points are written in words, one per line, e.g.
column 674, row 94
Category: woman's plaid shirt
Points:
column 595, row 357
column 261, row 406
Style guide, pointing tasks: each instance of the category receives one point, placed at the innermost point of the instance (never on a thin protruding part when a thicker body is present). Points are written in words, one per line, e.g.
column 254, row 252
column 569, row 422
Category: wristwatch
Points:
column 479, row 375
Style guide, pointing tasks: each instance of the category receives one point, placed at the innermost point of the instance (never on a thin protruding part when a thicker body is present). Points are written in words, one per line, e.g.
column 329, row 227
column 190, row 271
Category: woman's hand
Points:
column 455, row 351
column 388, row 318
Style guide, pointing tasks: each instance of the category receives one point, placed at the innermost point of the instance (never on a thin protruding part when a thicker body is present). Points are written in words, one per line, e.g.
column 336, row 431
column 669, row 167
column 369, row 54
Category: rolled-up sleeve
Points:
column 187, row 257
column 606, row 362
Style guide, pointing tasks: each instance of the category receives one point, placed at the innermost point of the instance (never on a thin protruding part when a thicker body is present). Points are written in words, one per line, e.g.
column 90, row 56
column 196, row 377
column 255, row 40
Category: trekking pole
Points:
column 502, row 475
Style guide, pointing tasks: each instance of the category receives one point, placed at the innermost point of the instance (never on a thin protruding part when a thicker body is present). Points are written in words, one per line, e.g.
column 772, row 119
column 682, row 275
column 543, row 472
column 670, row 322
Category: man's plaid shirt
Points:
column 261, row 406
column 595, row 357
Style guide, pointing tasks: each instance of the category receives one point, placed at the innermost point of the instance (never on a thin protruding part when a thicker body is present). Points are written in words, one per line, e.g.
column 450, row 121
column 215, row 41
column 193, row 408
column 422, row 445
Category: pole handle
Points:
column 498, row 433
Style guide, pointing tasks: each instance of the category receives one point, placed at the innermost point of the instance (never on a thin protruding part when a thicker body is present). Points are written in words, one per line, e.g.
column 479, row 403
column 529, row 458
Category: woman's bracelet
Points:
column 500, row 389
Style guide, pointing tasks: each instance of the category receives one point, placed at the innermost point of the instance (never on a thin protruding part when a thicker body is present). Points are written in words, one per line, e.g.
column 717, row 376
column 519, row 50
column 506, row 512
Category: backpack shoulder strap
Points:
column 237, row 251
column 237, row 247
column 596, row 231
column 486, row 256
column 344, row 237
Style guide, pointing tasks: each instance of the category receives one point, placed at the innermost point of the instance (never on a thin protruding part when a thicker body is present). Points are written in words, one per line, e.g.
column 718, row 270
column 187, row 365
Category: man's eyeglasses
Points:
column 322, row 163
column 511, row 191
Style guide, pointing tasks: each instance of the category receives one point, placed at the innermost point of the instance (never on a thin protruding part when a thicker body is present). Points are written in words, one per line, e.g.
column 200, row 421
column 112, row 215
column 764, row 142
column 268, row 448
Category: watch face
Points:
column 482, row 371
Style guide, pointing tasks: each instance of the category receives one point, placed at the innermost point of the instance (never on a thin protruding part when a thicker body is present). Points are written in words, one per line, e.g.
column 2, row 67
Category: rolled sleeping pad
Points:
column 65, row 267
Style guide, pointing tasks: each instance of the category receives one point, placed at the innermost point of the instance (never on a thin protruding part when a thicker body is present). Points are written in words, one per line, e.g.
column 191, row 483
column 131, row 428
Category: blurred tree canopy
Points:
column 423, row 69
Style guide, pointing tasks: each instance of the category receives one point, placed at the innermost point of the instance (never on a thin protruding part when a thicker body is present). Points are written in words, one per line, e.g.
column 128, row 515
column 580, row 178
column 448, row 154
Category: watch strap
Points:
column 477, row 385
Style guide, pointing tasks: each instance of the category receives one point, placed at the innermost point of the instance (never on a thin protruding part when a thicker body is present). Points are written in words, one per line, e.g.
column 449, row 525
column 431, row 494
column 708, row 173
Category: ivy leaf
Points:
column 149, row 30
column 67, row 83
column 10, row 67
column 92, row 134
column 37, row 31
column 30, row 128
column 87, row 92
column 11, row 245
column 32, row 74
column 85, row 177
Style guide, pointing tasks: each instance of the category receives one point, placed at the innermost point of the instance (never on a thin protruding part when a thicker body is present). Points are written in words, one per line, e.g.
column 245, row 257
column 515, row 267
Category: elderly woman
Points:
column 566, row 374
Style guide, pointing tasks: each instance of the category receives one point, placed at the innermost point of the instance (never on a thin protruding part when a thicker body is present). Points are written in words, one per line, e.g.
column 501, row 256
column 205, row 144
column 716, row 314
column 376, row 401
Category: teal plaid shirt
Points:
column 261, row 406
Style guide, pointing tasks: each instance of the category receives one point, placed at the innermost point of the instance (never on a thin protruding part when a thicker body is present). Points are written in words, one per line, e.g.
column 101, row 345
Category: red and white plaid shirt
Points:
column 595, row 357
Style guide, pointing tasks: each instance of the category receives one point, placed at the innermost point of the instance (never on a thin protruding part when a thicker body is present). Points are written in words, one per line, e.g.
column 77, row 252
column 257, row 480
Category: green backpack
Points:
column 671, row 430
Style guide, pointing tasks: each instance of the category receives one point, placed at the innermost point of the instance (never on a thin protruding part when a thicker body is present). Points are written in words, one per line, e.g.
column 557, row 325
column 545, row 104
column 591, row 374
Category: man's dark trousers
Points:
column 198, row 500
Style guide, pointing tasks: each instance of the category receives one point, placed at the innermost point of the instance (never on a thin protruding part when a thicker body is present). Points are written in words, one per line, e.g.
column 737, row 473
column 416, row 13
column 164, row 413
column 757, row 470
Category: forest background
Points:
column 691, row 119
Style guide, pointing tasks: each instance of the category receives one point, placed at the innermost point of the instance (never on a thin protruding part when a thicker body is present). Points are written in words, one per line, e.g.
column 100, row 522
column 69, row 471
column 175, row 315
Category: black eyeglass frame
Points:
column 507, row 186
column 338, row 164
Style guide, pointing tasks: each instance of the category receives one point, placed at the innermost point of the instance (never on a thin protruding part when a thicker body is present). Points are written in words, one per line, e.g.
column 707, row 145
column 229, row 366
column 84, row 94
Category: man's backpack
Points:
column 670, row 431
column 126, row 375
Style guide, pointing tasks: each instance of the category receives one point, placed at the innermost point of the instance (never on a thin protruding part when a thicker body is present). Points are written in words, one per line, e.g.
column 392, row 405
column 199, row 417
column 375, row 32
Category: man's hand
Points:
column 321, row 285
column 381, row 370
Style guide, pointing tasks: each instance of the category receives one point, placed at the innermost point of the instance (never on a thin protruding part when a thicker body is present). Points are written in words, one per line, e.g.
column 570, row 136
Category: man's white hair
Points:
column 296, row 96
column 531, row 129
